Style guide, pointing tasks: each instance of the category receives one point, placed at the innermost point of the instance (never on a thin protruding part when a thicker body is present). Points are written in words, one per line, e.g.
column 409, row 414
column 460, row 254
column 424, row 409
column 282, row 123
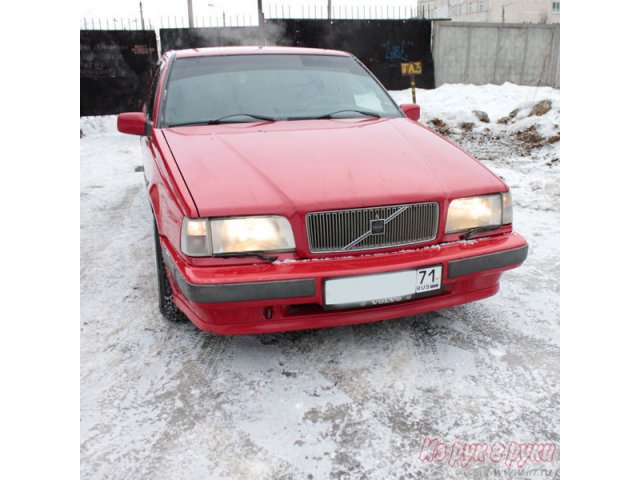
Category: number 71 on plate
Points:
column 428, row 279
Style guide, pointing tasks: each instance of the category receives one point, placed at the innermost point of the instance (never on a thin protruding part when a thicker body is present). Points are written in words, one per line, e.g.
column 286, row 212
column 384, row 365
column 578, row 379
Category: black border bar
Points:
column 489, row 261
column 242, row 292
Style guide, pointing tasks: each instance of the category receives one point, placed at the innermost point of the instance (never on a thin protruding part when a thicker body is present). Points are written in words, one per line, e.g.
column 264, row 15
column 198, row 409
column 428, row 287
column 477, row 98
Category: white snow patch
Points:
column 455, row 103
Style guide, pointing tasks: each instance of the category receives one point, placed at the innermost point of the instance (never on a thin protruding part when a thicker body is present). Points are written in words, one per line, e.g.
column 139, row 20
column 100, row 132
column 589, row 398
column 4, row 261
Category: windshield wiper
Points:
column 258, row 117
column 261, row 256
column 473, row 231
column 332, row 114
column 224, row 120
column 361, row 112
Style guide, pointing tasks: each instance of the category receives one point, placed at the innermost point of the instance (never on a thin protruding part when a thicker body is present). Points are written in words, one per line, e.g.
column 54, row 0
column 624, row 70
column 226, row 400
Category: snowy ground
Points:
column 160, row 401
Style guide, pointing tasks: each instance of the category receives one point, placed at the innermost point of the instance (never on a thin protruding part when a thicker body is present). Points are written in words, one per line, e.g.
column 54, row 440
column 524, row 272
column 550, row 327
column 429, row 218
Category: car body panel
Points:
column 315, row 165
column 254, row 50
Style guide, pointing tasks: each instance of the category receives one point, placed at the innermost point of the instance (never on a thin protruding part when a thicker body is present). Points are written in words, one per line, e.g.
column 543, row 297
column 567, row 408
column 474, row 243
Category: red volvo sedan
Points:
column 290, row 192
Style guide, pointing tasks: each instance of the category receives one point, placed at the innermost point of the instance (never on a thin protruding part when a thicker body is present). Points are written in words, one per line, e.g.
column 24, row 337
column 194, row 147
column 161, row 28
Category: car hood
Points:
column 294, row 167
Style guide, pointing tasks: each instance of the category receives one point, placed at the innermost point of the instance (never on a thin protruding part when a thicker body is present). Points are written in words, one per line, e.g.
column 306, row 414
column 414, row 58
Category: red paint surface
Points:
column 248, row 317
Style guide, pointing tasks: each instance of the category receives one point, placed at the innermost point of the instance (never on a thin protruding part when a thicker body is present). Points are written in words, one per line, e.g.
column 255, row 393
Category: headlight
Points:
column 196, row 237
column 206, row 237
column 251, row 234
column 484, row 211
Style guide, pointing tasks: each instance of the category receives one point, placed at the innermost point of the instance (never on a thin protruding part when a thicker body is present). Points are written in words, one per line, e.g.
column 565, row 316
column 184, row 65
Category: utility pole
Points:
column 190, row 9
column 141, row 16
column 329, row 9
column 263, row 37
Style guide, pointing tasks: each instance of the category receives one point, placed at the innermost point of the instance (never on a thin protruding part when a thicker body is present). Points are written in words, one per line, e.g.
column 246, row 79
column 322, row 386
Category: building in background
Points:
column 494, row 11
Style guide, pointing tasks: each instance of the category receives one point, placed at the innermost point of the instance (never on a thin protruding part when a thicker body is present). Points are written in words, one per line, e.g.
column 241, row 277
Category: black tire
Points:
column 168, row 308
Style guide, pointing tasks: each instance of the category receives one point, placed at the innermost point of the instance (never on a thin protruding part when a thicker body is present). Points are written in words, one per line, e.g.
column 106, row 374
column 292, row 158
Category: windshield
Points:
column 253, row 88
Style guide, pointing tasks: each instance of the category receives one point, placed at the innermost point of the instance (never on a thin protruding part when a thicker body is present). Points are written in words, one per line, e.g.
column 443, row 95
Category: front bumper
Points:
column 273, row 297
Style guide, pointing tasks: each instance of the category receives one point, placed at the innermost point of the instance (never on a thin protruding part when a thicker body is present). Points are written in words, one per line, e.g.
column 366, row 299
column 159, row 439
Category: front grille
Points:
column 370, row 228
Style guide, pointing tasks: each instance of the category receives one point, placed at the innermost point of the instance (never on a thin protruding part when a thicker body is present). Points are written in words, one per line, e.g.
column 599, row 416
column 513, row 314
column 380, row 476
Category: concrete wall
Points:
column 511, row 11
column 479, row 53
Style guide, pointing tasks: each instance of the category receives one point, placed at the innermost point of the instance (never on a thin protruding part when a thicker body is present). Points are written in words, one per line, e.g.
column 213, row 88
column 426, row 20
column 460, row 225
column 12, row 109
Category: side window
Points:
column 150, row 104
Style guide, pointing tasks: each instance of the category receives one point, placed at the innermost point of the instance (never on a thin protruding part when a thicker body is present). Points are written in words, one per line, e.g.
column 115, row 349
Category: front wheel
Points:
column 168, row 308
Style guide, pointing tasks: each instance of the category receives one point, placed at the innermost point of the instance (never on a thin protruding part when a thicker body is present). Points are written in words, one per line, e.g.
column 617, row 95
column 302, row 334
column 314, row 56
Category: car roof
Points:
column 255, row 50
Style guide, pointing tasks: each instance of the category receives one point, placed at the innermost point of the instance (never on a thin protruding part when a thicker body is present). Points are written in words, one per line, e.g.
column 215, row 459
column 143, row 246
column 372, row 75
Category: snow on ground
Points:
column 455, row 104
column 163, row 401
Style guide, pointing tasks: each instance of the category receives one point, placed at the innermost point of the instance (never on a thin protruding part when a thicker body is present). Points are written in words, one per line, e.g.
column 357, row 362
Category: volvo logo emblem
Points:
column 377, row 227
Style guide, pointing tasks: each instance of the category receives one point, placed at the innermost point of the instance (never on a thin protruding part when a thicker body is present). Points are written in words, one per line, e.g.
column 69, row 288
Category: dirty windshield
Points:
column 252, row 88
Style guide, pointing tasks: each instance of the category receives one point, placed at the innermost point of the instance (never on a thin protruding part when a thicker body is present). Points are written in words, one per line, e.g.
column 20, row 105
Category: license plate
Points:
column 381, row 288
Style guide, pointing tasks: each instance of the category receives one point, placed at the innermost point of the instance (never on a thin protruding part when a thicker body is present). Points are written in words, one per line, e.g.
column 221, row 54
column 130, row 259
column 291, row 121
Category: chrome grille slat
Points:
column 333, row 231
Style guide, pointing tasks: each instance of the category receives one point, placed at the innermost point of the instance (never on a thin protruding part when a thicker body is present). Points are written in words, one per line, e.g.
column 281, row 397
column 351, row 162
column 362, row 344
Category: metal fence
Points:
column 224, row 18
column 115, row 70
column 380, row 44
column 112, row 79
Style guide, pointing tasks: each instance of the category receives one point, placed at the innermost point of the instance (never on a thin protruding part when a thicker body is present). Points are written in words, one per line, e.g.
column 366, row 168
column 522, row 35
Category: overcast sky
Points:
column 154, row 9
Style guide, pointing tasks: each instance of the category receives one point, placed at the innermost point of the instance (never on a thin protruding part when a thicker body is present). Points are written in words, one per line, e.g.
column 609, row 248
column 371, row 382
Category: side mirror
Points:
column 134, row 123
column 411, row 110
